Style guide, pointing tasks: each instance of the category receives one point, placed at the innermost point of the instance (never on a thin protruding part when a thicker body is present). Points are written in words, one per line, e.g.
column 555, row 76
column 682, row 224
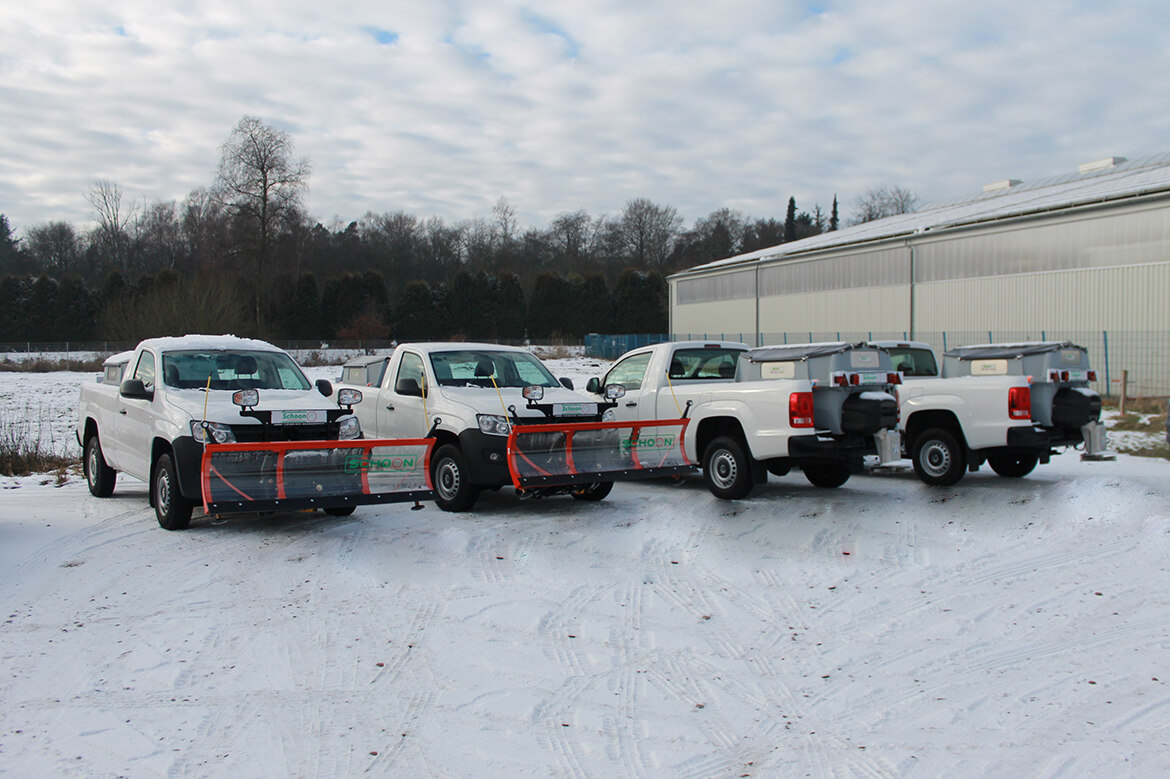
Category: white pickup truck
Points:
column 978, row 409
column 152, row 411
column 468, row 397
column 821, row 407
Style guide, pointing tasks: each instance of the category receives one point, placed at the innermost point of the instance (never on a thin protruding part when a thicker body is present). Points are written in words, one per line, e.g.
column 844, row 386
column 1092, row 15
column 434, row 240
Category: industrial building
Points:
column 1083, row 257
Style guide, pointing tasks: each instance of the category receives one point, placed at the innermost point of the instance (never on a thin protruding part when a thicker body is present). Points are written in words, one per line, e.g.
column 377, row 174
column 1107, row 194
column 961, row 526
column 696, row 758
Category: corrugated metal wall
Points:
column 1102, row 270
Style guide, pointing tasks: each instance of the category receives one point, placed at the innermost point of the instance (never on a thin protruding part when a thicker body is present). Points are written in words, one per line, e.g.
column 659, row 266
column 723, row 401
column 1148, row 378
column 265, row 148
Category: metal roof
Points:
column 1115, row 179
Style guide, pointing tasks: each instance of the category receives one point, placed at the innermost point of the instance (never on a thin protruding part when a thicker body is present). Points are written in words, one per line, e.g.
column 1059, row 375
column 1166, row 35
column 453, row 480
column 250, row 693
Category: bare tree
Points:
column 56, row 248
column 111, row 235
column 259, row 183
column 648, row 232
column 882, row 201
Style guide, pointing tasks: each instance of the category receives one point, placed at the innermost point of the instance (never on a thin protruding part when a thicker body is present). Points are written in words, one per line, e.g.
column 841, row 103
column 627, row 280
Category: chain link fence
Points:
column 1139, row 359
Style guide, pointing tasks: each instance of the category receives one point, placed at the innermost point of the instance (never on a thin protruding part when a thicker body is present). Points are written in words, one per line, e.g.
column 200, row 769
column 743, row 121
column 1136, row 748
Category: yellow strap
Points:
column 670, row 384
column 499, row 394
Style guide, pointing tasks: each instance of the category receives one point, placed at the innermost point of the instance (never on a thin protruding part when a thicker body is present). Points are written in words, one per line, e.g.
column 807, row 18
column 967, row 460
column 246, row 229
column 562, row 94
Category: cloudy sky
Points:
column 441, row 108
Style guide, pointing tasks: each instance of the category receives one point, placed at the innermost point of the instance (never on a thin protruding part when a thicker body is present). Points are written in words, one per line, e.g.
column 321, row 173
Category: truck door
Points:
column 631, row 373
column 134, row 422
column 402, row 410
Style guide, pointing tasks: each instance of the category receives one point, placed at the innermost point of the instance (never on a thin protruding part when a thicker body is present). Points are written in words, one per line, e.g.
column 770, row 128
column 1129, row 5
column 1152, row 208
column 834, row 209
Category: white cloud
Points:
column 442, row 108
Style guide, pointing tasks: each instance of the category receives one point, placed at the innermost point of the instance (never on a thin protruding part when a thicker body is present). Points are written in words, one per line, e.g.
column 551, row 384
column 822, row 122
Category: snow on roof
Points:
column 209, row 342
column 120, row 357
column 1091, row 184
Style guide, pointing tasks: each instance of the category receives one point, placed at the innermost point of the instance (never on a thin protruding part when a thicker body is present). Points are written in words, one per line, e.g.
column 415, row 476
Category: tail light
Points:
column 1020, row 402
column 1092, row 375
column 855, row 379
column 893, row 378
column 800, row 409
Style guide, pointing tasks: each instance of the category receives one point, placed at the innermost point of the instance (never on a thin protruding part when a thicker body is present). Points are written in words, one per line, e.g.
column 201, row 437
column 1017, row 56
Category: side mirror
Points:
column 566, row 382
column 134, row 388
column 594, row 386
column 324, row 387
column 615, row 391
column 348, row 397
column 408, row 387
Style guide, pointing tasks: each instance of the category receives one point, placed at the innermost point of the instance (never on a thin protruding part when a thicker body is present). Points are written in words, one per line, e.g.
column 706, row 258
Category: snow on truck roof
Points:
column 208, row 342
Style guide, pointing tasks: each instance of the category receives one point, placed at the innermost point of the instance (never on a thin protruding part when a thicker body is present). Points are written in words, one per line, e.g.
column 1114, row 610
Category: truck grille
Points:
column 258, row 433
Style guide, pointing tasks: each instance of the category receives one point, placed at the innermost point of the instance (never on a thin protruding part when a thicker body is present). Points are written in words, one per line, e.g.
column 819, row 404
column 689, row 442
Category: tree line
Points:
column 243, row 256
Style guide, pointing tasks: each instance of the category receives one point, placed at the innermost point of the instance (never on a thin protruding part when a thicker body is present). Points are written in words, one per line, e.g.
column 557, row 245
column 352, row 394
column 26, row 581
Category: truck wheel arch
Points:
column 715, row 427
column 921, row 421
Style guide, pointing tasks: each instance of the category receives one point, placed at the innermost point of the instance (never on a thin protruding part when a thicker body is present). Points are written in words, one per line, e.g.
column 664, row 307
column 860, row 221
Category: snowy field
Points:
column 996, row 628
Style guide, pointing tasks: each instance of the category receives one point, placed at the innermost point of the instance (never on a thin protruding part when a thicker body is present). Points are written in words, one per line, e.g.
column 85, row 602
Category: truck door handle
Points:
column 390, row 408
column 631, row 404
column 122, row 411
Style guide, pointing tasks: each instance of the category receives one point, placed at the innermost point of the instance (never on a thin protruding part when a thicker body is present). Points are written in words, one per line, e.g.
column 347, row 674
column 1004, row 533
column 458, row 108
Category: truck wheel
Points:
column 1013, row 466
column 938, row 458
column 594, row 492
column 453, row 491
column 99, row 476
column 726, row 469
column 826, row 475
column 171, row 508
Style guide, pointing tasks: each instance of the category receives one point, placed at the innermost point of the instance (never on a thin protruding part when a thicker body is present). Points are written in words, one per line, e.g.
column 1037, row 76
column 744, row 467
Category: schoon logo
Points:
column 648, row 443
column 396, row 464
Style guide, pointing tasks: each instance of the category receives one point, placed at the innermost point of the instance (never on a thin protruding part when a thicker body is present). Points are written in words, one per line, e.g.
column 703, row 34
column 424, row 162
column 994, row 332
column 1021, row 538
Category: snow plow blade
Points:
column 295, row 475
column 548, row 455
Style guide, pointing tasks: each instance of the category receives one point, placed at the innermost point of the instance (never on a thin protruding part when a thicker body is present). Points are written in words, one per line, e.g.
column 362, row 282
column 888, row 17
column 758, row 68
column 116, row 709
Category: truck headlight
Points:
column 493, row 424
column 211, row 432
column 608, row 415
column 349, row 428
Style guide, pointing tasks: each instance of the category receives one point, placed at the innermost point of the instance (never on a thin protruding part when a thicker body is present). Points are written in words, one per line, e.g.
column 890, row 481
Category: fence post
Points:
column 944, row 340
column 1124, row 388
column 1108, row 385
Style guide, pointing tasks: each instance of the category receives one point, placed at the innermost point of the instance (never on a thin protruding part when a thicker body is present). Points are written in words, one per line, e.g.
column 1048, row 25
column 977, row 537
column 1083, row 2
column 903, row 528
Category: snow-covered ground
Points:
column 885, row 628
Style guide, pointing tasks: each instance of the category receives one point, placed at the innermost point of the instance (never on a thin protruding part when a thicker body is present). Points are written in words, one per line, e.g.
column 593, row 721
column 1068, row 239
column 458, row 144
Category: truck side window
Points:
column 144, row 371
column 629, row 372
column 411, row 367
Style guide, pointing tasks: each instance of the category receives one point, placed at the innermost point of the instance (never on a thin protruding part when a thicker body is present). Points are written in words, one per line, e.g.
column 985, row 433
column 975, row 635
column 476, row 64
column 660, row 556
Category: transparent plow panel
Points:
column 581, row 453
column 313, row 474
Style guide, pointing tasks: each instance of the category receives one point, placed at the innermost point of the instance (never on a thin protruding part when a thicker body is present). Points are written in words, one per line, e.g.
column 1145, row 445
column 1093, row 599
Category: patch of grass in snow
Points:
column 23, row 450
column 45, row 365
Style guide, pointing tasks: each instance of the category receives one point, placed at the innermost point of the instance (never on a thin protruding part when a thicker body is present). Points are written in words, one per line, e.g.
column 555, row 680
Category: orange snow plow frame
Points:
column 296, row 475
column 622, row 457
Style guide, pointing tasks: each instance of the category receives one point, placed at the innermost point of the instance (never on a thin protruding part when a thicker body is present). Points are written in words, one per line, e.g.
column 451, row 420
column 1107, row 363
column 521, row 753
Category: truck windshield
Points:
column 913, row 362
column 198, row 369
column 474, row 368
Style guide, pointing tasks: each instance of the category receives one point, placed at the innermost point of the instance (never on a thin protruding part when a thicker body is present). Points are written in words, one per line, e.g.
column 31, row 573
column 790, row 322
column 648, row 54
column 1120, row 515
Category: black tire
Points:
column 99, row 476
column 1013, row 466
column 727, row 469
column 171, row 508
column 938, row 458
column 453, row 489
column 594, row 492
column 340, row 511
column 826, row 475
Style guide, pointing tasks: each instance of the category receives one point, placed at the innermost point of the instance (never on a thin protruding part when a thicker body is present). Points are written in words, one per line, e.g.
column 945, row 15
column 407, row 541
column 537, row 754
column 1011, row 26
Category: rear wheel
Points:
column 99, row 476
column 453, row 490
column 727, row 469
column 1013, row 466
column 594, row 492
column 170, row 507
column 938, row 458
column 826, row 475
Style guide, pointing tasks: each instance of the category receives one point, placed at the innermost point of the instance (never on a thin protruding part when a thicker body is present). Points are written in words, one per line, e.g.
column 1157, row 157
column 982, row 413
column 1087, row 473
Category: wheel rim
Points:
column 162, row 494
column 723, row 469
column 91, row 465
column 447, row 479
column 935, row 458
